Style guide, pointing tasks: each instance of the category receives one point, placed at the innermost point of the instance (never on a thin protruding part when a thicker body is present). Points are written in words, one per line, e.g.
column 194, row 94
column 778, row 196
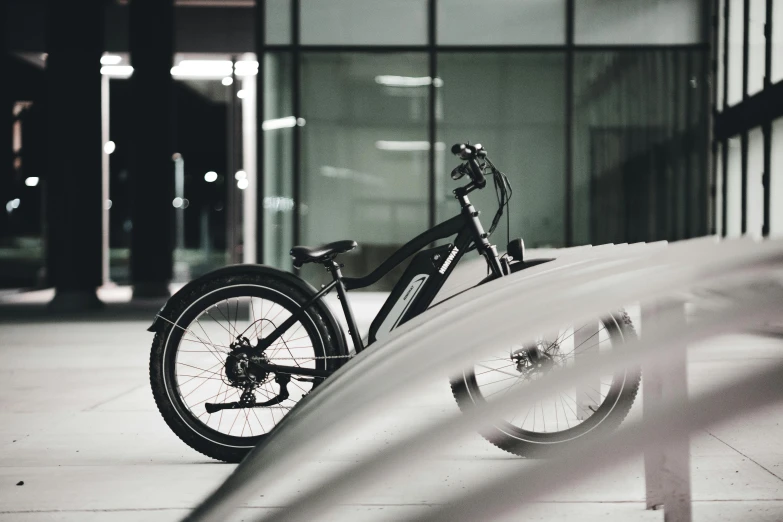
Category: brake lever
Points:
column 459, row 172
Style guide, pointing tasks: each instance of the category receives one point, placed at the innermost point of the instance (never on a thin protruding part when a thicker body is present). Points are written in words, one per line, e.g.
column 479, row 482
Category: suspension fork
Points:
column 480, row 237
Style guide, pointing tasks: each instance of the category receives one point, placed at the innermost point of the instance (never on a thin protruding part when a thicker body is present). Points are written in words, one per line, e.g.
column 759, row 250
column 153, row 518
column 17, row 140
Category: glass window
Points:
column 278, row 21
column 24, row 176
column 359, row 22
column 464, row 22
column 512, row 103
column 755, row 187
column 278, row 132
column 757, row 45
column 777, row 41
column 629, row 149
column 736, row 33
column 365, row 166
column 734, row 189
column 208, row 219
column 776, row 180
column 638, row 22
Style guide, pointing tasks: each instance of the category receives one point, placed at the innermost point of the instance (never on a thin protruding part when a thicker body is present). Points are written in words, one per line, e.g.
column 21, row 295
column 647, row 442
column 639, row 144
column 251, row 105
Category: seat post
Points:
column 334, row 267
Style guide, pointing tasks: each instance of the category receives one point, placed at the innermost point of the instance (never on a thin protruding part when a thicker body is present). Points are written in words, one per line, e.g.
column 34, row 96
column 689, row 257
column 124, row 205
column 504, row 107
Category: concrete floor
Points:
column 78, row 425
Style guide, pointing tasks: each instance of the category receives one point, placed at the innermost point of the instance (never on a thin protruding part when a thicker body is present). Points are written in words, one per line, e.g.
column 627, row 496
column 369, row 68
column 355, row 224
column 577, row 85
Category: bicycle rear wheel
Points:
column 202, row 360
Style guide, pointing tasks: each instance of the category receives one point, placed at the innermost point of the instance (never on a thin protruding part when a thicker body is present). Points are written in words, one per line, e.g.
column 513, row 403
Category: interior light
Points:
column 210, row 176
column 241, row 93
column 228, row 80
column 32, row 181
column 241, row 174
column 117, row 71
column 108, row 204
column 109, row 147
column 242, row 184
column 407, row 81
column 300, row 122
column 279, row 123
column 280, row 203
column 202, row 69
column 407, row 146
column 110, row 59
column 246, row 68
column 177, row 202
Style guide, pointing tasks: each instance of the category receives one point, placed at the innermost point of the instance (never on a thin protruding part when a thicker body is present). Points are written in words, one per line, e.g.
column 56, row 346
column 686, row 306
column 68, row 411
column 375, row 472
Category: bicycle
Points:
column 245, row 330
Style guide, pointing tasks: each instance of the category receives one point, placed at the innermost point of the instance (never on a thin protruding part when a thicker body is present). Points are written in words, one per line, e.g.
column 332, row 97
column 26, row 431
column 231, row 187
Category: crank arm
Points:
column 212, row 408
column 281, row 379
column 215, row 407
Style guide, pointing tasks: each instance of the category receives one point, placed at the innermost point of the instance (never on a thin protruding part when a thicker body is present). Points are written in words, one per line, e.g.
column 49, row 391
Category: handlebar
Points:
column 470, row 154
column 476, row 160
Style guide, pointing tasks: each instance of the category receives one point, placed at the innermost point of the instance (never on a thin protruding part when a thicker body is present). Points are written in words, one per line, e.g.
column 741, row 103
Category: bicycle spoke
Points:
column 494, row 369
column 200, row 363
column 561, row 411
column 565, row 415
column 498, row 370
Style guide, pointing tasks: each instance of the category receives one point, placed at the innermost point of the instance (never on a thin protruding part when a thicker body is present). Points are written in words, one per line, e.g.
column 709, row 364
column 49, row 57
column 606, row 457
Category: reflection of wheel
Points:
column 203, row 365
column 541, row 429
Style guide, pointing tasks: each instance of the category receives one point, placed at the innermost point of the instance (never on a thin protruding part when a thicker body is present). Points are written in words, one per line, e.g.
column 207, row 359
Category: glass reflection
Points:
column 364, row 168
column 514, row 105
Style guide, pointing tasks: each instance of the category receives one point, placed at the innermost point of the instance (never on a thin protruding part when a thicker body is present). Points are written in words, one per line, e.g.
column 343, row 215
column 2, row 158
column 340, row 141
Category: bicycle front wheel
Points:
column 541, row 429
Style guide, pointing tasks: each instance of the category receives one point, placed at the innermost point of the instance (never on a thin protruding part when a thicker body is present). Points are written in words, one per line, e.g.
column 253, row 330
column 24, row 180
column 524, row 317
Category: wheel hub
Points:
column 237, row 367
column 535, row 358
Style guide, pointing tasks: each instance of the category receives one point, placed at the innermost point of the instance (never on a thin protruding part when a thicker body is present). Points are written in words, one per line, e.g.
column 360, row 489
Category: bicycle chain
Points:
column 312, row 358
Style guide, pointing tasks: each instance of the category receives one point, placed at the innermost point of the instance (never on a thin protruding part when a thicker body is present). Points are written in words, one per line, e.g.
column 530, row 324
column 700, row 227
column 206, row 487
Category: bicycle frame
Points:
column 416, row 289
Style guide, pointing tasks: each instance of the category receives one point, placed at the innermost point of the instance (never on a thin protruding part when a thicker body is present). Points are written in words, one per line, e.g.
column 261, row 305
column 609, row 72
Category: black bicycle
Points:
column 236, row 349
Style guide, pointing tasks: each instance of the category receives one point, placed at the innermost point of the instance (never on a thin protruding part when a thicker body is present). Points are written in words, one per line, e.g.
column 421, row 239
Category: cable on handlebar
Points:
column 473, row 166
column 503, row 192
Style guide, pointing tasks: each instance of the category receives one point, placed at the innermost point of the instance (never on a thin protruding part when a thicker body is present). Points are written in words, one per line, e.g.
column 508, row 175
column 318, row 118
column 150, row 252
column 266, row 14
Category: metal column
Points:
column 667, row 466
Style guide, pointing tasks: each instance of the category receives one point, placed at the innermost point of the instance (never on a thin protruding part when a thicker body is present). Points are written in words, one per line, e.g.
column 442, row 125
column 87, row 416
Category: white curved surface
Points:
column 570, row 289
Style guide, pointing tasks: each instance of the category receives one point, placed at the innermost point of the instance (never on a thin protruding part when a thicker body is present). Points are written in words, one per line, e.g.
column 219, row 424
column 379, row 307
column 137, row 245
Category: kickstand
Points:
column 282, row 379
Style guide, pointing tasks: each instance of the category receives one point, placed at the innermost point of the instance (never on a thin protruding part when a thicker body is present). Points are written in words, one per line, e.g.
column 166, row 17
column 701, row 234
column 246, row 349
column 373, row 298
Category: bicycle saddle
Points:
column 319, row 254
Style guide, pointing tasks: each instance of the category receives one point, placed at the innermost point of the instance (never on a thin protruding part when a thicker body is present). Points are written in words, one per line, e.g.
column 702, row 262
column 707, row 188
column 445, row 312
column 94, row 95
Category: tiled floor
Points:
column 78, row 425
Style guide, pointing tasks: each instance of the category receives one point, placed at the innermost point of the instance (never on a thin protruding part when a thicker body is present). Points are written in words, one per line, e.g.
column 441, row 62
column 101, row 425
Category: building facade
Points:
column 281, row 122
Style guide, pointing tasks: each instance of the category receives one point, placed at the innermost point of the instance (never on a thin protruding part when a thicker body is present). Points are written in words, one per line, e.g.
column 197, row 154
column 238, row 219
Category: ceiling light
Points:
column 202, row 69
column 407, row 81
column 279, row 123
column 117, row 71
column 407, row 146
column 110, row 59
column 246, row 68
